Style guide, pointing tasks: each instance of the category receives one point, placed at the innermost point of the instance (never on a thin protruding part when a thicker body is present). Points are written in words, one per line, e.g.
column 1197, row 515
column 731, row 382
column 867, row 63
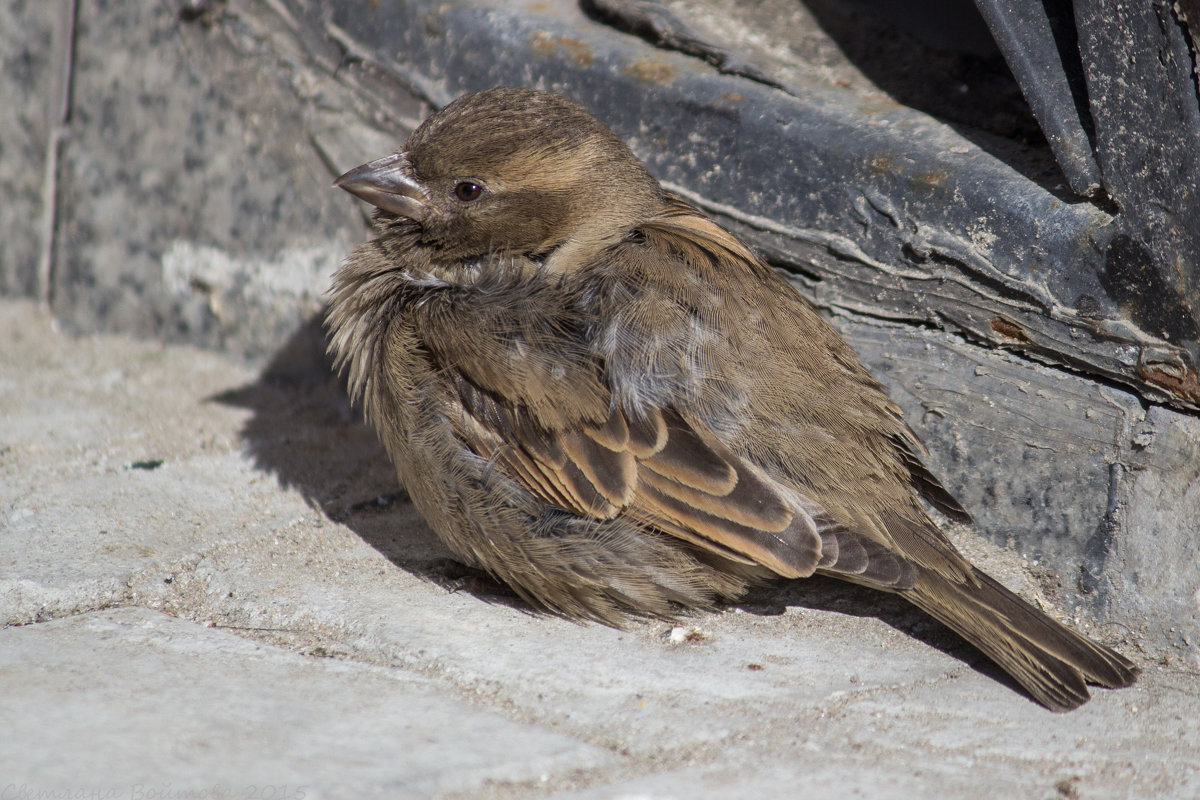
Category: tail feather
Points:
column 1053, row 663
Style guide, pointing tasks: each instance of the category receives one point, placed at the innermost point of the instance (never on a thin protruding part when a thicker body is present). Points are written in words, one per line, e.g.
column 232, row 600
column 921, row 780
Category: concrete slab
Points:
column 316, row 638
column 134, row 703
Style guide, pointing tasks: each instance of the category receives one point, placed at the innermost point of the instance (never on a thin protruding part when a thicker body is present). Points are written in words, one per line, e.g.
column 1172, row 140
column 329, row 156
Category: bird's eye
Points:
column 468, row 191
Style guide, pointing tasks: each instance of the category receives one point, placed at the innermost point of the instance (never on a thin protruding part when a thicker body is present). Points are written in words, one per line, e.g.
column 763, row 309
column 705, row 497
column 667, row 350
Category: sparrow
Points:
column 599, row 396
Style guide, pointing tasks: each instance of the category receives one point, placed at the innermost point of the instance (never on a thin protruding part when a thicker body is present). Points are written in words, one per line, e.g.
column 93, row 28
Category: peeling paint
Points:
column 650, row 71
column 577, row 50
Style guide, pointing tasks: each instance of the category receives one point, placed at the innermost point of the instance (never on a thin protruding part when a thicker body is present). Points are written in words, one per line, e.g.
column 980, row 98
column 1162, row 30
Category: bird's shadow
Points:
column 303, row 430
column 819, row 593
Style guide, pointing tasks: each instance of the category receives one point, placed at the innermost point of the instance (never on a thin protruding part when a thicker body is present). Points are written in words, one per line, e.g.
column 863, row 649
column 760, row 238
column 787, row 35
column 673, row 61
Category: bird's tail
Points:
column 1054, row 664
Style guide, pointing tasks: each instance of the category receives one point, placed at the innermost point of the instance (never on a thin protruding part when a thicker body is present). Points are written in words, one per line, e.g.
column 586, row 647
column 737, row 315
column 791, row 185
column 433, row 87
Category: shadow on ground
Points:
column 304, row 432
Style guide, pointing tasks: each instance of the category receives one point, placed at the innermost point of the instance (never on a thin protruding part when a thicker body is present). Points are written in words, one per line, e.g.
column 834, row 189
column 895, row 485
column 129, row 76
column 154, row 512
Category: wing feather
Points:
column 659, row 468
column 792, row 552
column 647, row 433
column 613, row 473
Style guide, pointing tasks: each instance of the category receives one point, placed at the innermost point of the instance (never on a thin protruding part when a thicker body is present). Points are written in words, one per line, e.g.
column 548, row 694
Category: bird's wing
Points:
column 672, row 473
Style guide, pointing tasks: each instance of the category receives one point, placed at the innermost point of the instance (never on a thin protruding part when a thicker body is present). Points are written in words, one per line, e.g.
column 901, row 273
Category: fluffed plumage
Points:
column 608, row 402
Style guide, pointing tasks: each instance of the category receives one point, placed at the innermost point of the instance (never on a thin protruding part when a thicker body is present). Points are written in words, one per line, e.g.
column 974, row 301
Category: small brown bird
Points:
column 611, row 404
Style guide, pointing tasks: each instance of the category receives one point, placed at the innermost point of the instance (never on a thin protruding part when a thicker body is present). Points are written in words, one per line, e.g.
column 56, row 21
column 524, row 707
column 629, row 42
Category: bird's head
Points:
column 509, row 172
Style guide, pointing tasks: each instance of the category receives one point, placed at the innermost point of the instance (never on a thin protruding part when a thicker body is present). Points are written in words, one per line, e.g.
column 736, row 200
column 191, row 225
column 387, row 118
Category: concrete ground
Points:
column 212, row 587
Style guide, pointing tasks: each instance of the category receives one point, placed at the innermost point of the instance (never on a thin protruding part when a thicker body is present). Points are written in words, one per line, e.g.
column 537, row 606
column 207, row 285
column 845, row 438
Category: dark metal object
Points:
column 1037, row 38
column 1139, row 59
column 1114, row 87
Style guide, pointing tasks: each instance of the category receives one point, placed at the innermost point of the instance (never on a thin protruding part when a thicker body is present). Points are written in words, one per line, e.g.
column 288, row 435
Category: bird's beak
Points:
column 387, row 183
